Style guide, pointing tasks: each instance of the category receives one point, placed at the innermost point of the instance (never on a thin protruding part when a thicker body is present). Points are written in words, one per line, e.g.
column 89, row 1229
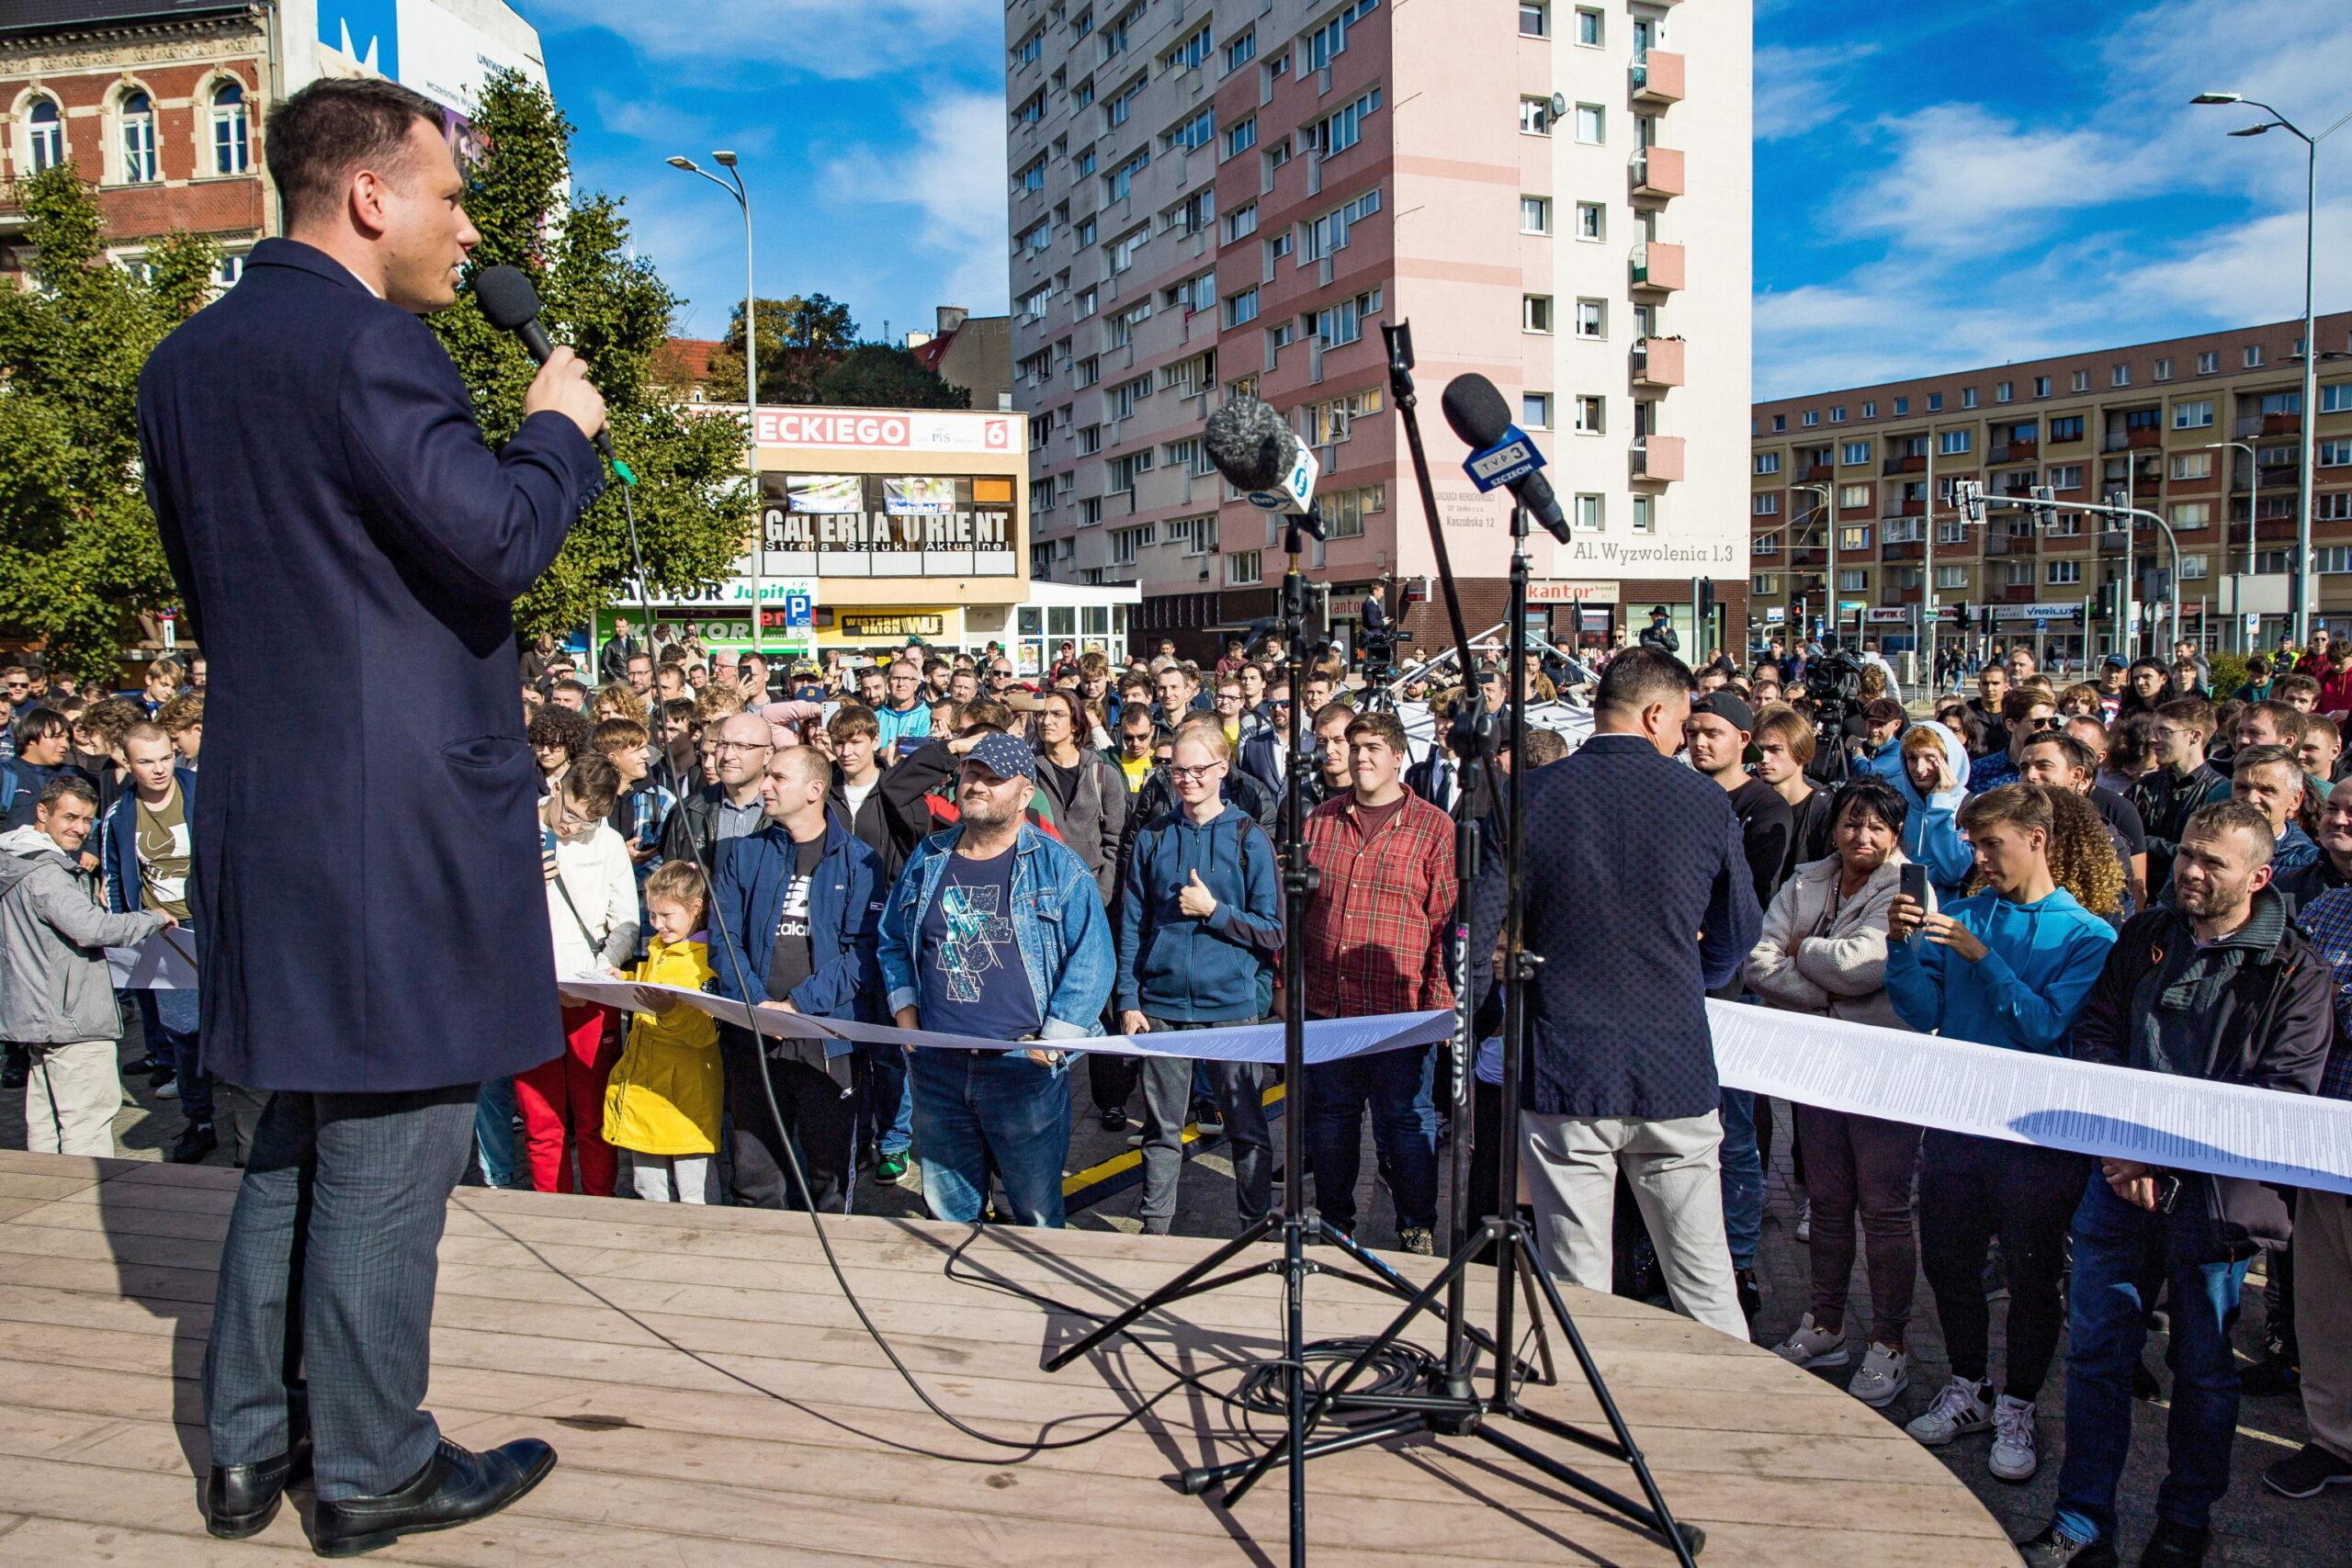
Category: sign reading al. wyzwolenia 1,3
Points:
column 887, row 525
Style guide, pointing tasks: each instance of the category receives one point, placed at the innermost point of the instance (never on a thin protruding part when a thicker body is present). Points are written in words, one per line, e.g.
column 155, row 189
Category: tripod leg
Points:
column 1686, row 1539
column 1175, row 1289
column 1193, row 1483
column 1528, row 1266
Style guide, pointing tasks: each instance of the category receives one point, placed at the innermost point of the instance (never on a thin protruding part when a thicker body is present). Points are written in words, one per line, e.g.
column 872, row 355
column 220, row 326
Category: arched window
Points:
column 45, row 135
column 232, row 149
column 138, row 160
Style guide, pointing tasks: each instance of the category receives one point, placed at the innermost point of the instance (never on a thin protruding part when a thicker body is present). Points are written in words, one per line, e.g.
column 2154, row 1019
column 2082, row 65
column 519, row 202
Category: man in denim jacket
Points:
column 994, row 930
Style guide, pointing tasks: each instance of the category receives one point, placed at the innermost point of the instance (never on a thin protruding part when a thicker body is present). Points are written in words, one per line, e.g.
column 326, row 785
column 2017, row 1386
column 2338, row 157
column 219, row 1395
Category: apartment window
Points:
column 1950, row 530
column 1329, row 41
column 1852, row 579
column 1082, row 94
column 1934, row 402
column 1123, row 248
column 1187, row 134
column 1767, row 584
column 1241, row 223
column 2335, row 454
column 1243, row 567
column 2198, row 415
column 1534, row 214
column 1028, row 50
column 2119, row 375
column 1767, row 462
column 232, row 148
column 2192, row 514
column 1089, row 441
column 1951, row 577
column 1127, row 543
column 1779, row 423
column 1765, row 543
column 1123, row 324
column 1592, row 220
column 1592, row 414
column 136, row 114
column 1344, row 511
column 1342, row 129
column 1589, row 514
column 1188, row 53
column 2067, row 427
column 1870, row 411
column 1902, row 407
column 1120, row 181
column 1241, row 307
column 1592, row 317
column 1535, row 313
column 1764, row 504
column 2254, row 356
column 1588, row 25
column 2081, row 382
column 2042, row 386
column 2061, row 573
column 1330, row 232
column 2192, row 464
column 1087, row 371
column 2194, row 569
column 1083, row 305
column 2164, row 370
column 1193, row 293
column 1590, row 127
column 1812, row 418
column 1535, row 117
column 1838, row 415
column 1853, row 495
column 2333, row 507
column 1854, row 452
column 1083, row 164
column 1039, row 236
column 1032, row 108
column 1536, row 411
column 2065, row 476
column 1953, row 443
column 1036, row 303
column 1242, row 50
column 1240, row 137
column 2003, row 391
column 230, row 270
column 45, row 134
column 1116, row 109
column 1644, row 515
column 2335, row 398
column 1968, row 397
column 1534, row 18
column 1343, row 323
column 1126, row 395
column 2209, row 363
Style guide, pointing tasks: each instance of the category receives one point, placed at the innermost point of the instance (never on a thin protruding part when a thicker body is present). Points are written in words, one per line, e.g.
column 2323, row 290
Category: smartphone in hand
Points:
column 1914, row 882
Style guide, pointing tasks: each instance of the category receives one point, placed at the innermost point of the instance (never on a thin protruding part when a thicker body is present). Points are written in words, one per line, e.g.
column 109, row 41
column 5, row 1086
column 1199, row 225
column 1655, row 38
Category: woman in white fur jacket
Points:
column 1824, row 951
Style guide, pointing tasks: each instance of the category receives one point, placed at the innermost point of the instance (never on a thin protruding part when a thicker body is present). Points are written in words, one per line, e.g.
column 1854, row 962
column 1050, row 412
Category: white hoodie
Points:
column 594, row 872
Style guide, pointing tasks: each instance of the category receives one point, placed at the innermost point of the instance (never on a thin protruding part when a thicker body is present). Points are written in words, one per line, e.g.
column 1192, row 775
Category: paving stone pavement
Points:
column 2253, row 1528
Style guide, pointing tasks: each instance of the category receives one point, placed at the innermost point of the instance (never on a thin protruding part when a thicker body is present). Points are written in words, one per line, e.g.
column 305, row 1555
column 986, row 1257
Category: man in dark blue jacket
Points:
column 1623, row 1061
column 144, row 841
column 1200, row 922
column 376, row 942
column 801, row 900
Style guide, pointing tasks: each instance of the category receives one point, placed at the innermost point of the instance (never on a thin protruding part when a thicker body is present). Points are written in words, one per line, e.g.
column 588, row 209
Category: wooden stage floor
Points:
column 714, row 1402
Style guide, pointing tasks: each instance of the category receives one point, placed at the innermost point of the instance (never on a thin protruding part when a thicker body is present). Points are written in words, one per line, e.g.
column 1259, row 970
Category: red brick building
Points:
column 159, row 105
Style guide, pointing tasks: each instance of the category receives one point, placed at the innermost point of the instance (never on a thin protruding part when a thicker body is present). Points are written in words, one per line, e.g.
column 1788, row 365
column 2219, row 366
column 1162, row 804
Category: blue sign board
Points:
column 799, row 613
column 1506, row 462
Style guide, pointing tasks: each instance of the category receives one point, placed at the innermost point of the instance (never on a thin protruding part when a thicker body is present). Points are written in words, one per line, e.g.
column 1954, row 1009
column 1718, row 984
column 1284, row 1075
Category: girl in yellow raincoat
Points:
column 663, row 1101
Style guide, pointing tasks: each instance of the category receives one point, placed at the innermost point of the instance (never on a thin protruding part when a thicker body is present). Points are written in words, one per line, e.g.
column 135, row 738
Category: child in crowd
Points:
column 663, row 1100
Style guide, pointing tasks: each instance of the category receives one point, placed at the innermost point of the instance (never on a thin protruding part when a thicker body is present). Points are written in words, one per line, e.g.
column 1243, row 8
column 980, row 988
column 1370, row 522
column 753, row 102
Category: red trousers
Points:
column 566, row 1095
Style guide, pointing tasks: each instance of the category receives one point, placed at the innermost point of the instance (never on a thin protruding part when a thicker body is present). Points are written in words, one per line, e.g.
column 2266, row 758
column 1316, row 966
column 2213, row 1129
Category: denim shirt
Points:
column 1059, row 923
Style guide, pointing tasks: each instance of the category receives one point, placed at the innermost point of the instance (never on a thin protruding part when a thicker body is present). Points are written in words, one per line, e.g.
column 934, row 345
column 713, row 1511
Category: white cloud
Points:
column 839, row 39
column 1798, row 90
column 955, row 177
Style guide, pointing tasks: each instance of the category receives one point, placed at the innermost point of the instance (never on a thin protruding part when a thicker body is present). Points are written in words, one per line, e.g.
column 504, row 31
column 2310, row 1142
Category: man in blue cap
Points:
column 996, row 931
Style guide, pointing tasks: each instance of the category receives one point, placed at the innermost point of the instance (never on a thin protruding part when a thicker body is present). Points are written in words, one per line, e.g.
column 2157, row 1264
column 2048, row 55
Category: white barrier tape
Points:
column 1328, row 1039
column 2295, row 1140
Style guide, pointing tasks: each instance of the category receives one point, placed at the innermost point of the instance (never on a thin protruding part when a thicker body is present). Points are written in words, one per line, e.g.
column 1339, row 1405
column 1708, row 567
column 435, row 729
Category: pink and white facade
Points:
column 1215, row 196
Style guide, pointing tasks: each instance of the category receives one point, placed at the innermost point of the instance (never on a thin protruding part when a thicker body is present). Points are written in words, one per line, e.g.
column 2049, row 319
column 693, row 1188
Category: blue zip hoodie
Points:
column 1930, row 826
column 2042, row 962
column 1216, row 970
column 1886, row 761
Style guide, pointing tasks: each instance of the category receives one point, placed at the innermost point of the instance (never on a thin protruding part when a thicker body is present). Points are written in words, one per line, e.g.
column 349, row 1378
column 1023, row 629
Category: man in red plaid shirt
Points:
column 1375, row 941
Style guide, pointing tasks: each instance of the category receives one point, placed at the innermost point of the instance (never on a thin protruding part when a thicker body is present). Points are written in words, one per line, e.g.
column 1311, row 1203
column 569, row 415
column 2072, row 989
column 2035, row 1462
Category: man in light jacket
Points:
column 54, row 991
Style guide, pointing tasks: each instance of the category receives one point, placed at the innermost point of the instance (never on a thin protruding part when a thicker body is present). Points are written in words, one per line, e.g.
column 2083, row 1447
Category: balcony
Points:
column 1658, row 361
column 1659, row 458
column 2138, row 435
column 2014, row 452
column 1657, row 173
column 1658, row 79
column 1658, row 266
column 2258, row 424
column 1917, row 464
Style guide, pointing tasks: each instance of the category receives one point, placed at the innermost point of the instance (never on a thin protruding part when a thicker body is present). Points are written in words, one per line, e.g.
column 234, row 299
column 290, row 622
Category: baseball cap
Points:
column 1727, row 708
column 2112, row 662
column 1005, row 757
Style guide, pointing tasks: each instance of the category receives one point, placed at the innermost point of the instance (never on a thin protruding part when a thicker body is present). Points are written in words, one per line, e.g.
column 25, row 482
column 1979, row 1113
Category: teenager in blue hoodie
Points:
column 1200, row 922
column 2008, row 966
column 1933, row 779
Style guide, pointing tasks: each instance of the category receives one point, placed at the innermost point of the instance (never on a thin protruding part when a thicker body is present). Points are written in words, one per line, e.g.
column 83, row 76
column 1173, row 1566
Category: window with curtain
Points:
column 139, row 161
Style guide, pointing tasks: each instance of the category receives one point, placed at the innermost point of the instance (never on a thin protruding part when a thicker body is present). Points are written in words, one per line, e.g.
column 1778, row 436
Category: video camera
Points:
column 1833, row 685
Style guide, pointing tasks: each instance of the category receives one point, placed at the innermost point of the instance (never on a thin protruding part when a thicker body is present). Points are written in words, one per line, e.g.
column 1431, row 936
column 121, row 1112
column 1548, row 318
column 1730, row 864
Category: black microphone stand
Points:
column 1454, row 1407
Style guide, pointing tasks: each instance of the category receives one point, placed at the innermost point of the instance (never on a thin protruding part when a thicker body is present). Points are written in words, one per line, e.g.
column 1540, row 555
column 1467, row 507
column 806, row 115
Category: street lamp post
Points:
column 1829, row 578
column 2305, row 471
column 734, row 185
column 2253, row 527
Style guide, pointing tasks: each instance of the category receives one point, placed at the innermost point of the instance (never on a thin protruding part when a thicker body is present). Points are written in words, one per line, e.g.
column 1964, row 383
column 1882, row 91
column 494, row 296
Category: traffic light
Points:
column 1961, row 616
column 1970, row 496
column 1706, row 597
column 2043, row 508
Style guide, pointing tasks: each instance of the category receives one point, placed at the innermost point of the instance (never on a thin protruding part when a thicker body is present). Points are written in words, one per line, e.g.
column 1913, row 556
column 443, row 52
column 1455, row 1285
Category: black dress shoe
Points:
column 456, row 1486
column 196, row 1141
column 241, row 1499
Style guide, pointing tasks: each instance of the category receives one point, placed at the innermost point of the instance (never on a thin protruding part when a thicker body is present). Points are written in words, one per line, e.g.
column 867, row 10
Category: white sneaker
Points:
column 2014, row 1456
column 1813, row 1346
column 1804, row 1223
column 1959, row 1410
column 1885, row 1373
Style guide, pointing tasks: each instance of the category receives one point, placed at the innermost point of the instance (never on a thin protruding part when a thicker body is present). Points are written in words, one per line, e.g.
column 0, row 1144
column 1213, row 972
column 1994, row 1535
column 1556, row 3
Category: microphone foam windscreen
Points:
column 507, row 298
column 1249, row 444
column 1475, row 410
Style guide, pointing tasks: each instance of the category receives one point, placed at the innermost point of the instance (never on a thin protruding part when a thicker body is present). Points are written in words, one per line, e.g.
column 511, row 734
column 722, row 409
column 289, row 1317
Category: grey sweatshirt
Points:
column 53, row 934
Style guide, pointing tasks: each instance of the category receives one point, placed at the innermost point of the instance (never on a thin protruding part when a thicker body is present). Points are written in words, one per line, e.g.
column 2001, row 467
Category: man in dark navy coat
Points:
column 1637, row 892
column 366, row 857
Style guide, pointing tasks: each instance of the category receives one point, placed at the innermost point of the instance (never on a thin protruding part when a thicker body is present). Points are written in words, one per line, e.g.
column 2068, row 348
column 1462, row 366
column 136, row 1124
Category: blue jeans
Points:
column 890, row 1102
column 1743, row 1177
column 167, row 1019
column 494, row 1133
column 1396, row 1084
column 982, row 1111
column 2115, row 1246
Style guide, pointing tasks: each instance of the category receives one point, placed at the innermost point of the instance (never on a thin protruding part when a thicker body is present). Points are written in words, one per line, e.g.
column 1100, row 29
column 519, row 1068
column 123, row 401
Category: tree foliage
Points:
column 693, row 500
column 810, row 353
column 79, row 557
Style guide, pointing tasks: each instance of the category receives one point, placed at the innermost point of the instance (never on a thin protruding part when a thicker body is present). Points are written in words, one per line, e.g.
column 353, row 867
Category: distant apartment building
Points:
column 1217, row 196
column 2204, row 431
column 972, row 354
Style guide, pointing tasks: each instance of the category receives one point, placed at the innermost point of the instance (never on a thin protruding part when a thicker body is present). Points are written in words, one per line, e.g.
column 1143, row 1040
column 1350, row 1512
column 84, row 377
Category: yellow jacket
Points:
column 665, row 1094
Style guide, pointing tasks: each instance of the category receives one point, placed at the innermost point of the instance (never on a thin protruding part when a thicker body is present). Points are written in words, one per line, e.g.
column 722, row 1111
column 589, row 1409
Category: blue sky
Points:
column 1940, row 185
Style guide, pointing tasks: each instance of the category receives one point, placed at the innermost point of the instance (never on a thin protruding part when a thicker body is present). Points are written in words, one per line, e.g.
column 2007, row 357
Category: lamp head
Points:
column 2218, row 98
column 2253, row 130
column 724, row 160
column 685, row 163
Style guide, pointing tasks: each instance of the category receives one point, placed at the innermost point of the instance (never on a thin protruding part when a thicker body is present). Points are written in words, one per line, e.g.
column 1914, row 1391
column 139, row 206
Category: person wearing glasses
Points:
column 904, row 713
column 729, row 806
column 1265, row 751
column 2028, row 711
column 2181, row 783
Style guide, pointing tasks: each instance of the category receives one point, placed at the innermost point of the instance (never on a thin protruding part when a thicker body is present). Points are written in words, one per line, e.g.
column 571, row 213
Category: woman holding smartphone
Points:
column 1824, row 951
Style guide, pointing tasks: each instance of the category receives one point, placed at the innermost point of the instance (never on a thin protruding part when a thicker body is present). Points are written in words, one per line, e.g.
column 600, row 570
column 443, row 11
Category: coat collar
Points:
column 310, row 259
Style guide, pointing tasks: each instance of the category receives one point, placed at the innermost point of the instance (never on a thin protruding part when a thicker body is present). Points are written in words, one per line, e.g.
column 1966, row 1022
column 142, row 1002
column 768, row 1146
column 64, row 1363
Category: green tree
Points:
column 80, row 562
column 810, row 353
column 883, row 375
column 693, row 500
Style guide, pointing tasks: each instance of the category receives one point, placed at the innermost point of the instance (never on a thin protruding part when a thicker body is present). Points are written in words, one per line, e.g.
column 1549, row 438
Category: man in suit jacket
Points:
column 376, row 940
column 1622, row 1061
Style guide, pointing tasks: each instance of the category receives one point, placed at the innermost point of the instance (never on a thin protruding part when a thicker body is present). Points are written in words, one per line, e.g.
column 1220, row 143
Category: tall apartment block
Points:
column 2204, row 431
column 1218, row 196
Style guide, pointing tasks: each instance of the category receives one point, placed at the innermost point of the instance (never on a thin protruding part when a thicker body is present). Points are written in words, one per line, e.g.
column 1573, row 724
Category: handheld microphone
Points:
column 509, row 303
column 1253, row 447
column 1500, row 453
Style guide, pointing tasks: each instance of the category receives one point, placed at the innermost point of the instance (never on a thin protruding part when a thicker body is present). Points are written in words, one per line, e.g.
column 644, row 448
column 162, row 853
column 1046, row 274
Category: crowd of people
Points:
column 2120, row 869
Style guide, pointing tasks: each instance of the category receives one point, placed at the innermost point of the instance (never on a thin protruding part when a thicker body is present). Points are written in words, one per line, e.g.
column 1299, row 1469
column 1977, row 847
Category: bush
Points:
column 2229, row 673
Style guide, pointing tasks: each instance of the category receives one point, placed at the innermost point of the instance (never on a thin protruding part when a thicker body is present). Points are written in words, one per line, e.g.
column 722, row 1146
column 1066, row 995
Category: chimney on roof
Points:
column 951, row 317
